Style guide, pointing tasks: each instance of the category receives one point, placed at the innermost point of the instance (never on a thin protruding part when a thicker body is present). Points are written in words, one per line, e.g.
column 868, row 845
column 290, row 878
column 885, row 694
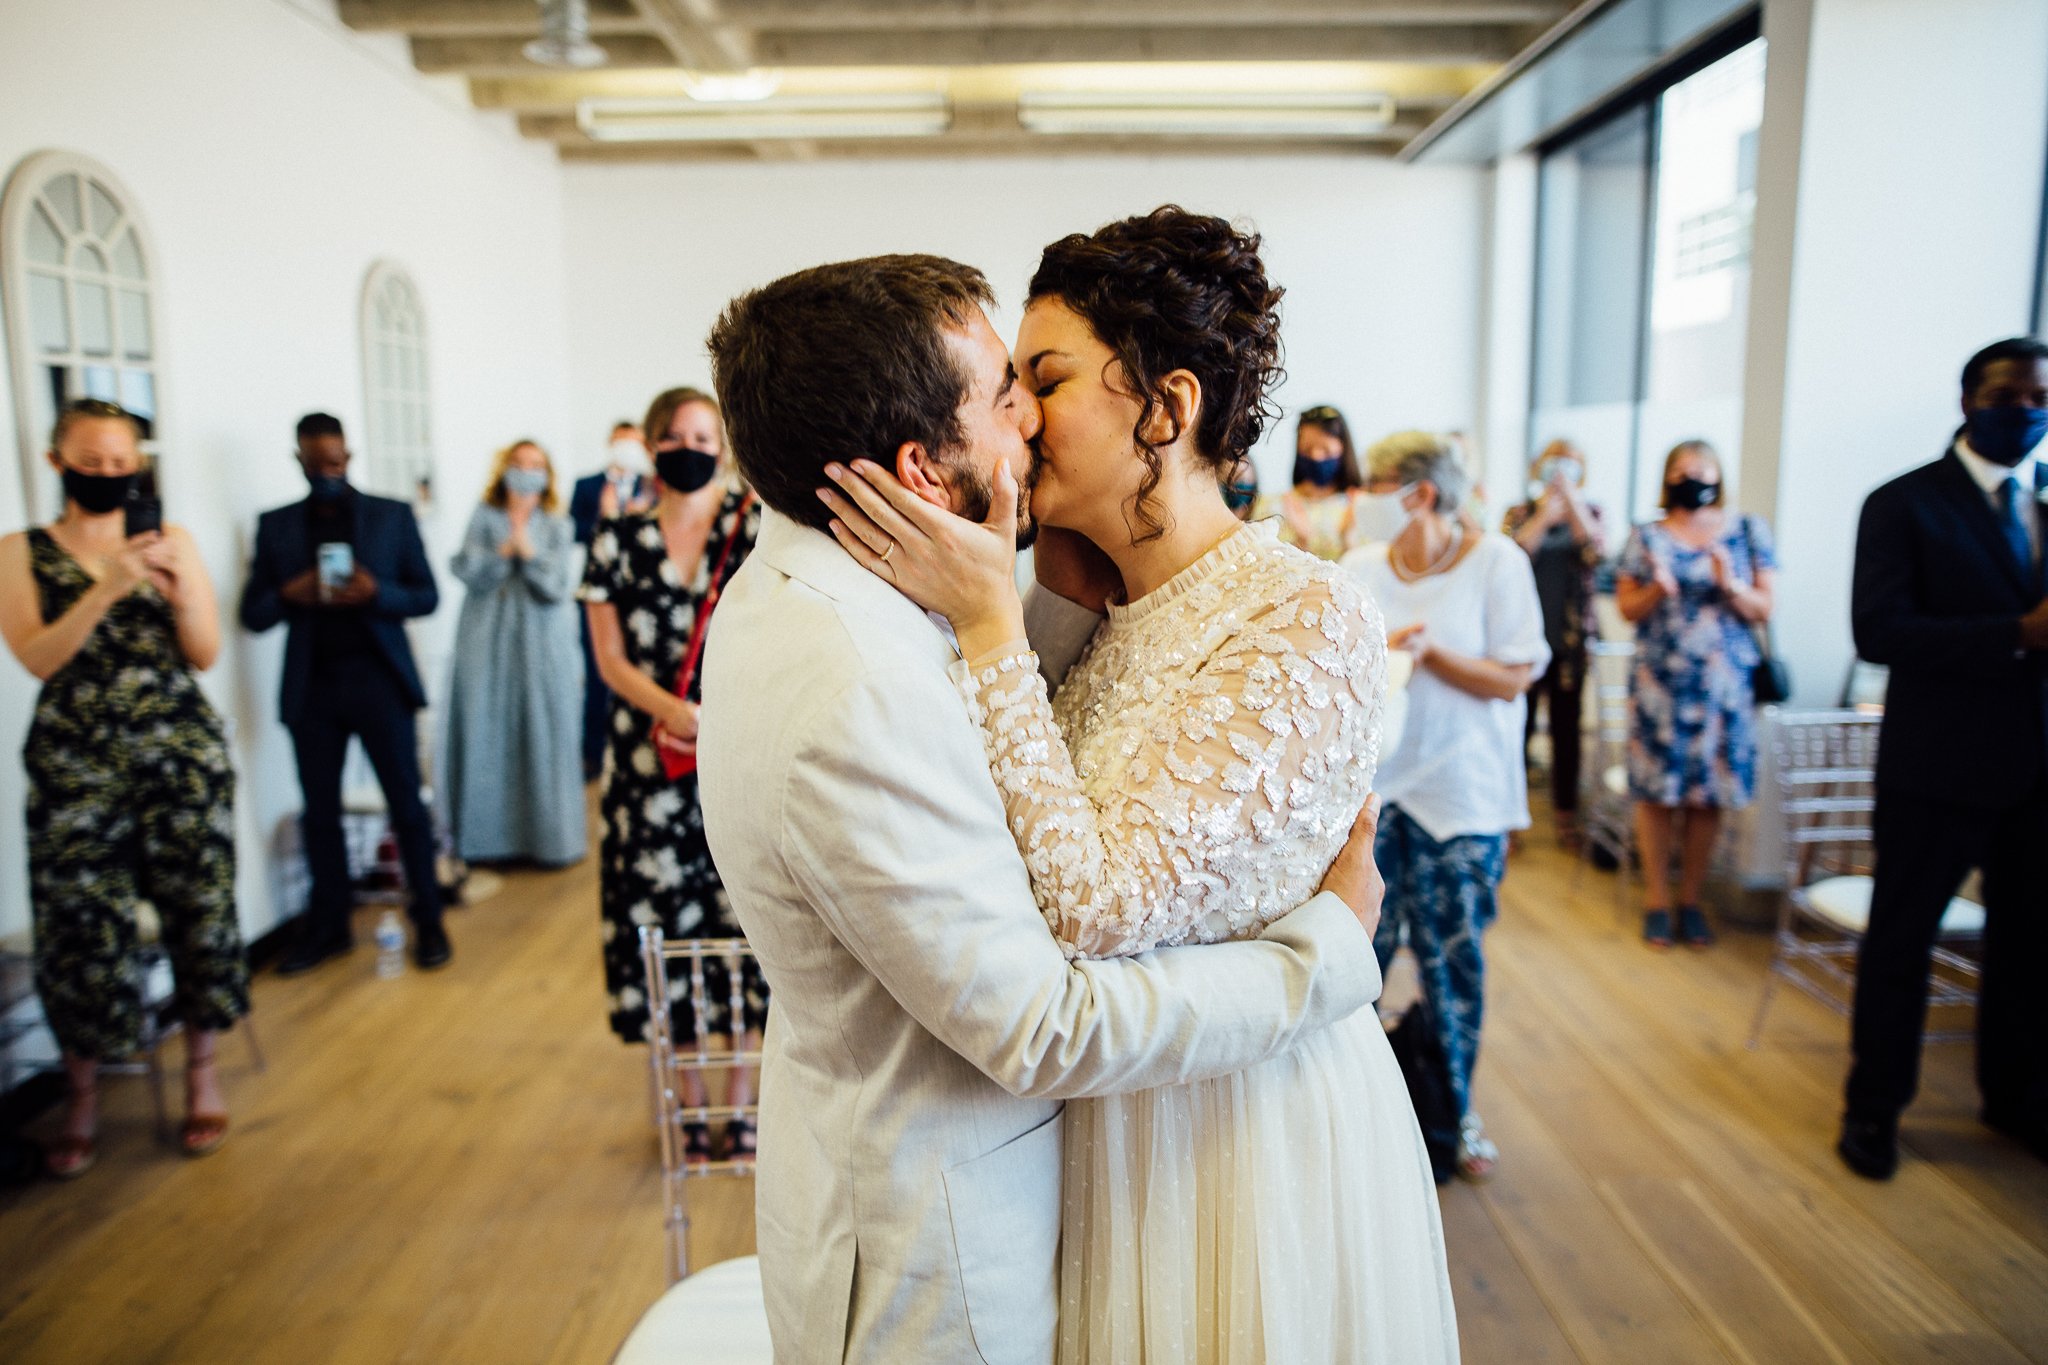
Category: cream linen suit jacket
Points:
column 925, row 1026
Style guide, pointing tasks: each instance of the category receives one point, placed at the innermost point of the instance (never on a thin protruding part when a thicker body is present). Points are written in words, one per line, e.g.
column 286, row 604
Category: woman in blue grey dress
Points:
column 514, row 774
column 1695, row 584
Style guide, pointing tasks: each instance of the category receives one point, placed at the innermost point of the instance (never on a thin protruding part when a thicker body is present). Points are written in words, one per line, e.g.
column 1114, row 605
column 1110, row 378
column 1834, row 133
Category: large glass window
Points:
column 81, row 303
column 1642, row 293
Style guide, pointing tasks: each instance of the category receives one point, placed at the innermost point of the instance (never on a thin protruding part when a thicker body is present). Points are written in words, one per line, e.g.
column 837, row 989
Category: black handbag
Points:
column 1770, row 680
column 1428, row 1073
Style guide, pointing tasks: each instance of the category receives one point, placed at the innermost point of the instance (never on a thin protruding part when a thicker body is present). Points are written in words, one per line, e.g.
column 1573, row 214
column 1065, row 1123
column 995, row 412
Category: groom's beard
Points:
column 976, row 493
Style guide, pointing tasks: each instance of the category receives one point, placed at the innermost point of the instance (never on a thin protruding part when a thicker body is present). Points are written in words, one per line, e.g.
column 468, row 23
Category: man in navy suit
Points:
column 623, row 485
column 348, row 672
column 1951, row 592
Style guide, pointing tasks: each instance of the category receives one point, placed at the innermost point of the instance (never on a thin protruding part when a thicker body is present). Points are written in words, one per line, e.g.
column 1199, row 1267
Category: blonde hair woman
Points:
column 515, row 699
column 1695, row 584
column 648, row 590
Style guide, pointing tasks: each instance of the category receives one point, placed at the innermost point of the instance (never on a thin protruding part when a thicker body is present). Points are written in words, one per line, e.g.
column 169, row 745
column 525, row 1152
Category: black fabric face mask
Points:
column 684, row 469
column 98, row 494
column 1690, row 495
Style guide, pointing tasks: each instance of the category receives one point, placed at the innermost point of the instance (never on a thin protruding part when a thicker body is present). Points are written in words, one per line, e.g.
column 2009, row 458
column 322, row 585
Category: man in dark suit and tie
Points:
column 625, row 484
column 346, row 570
column 1951, row 592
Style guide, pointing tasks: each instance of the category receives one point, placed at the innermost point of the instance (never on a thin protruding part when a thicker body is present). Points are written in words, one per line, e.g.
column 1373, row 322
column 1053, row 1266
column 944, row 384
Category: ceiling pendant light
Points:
column 564, row 37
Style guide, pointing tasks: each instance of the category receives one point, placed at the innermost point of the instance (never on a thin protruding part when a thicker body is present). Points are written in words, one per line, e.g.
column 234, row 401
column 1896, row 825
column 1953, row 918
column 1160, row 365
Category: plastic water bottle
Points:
column 390, row 938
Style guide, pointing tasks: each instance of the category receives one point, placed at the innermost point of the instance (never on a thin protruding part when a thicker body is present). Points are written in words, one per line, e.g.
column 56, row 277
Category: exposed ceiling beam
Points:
column 698, row 34
column 1168, row 43
column 474, row 18
column 494, row 56
column 490, row 56
column 765, row 15
column 560, row 92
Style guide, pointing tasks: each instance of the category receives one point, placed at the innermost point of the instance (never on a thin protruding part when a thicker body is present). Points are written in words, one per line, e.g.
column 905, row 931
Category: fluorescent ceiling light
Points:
column 1314, row 114
column 745, row 87
column 790, row 116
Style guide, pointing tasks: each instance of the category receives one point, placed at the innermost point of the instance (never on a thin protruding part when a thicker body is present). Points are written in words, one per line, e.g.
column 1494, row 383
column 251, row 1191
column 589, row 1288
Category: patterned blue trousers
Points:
column 1440, row 898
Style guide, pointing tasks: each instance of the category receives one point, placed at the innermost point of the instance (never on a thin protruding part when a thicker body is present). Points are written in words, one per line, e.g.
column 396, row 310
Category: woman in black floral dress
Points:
column 130, row 791
column 647, row 577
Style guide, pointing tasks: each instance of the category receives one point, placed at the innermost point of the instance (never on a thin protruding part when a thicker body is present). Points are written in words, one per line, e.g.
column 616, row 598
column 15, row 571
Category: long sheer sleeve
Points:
column 1229, row 789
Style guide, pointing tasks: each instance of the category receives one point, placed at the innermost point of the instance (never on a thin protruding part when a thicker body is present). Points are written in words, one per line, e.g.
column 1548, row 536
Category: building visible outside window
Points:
column 1642, row 286
column 82, row 315
column 397, row 442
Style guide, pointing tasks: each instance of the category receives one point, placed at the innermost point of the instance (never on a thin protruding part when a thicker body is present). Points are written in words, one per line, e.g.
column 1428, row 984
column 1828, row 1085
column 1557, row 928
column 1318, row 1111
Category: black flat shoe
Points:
column 1870, row 1147
column 1693, row 930
column 697, row 1144
column 430, row 947
column 741, row 1141
column 309, row 952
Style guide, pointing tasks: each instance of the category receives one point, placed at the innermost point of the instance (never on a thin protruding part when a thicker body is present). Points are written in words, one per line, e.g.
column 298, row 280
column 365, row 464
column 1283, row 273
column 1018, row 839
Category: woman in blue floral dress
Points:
column 1695, row 584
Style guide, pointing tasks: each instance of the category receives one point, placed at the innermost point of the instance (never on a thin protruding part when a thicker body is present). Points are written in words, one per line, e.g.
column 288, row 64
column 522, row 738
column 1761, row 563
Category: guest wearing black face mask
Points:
column 1318, row 513
column 1695, row 585
column 346, row 570
column 1240, row 483
column 130, row 792
column 1951, row 592
column 649, row 591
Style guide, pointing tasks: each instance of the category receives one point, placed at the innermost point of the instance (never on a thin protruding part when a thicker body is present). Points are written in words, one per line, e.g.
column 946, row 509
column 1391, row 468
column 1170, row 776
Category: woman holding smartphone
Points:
column 130, row 792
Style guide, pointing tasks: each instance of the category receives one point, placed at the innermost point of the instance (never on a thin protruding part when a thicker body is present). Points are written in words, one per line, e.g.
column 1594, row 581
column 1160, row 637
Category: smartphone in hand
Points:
column 336, row 563
column 144, row 511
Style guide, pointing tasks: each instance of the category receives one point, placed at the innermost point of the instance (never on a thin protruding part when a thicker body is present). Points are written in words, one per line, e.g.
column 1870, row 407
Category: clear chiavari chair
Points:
column 668, row 960
column 1827, row 785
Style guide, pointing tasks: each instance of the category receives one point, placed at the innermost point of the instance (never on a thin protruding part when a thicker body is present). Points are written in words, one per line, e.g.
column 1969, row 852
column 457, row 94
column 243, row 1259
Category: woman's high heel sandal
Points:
column 71, row 1156
column 203, row 1131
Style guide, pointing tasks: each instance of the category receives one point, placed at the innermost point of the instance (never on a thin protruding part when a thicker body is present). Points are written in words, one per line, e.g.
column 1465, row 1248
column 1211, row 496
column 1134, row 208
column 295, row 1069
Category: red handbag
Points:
column 674, row 763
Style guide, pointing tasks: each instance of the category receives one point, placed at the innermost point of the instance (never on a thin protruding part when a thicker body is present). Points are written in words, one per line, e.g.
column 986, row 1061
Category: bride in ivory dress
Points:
column 1194, row 776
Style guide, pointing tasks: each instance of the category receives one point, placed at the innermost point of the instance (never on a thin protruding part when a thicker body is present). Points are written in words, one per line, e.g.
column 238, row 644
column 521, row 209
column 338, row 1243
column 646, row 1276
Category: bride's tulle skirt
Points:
column 1279, row 1216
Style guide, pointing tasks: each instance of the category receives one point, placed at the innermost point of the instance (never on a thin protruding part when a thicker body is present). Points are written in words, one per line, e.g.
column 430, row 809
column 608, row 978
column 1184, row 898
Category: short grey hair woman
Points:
column 1462, row 602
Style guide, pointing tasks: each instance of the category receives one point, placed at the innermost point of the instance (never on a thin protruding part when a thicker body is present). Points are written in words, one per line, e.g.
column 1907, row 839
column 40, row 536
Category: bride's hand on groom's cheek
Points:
column 964, row 570
column 1355, row 877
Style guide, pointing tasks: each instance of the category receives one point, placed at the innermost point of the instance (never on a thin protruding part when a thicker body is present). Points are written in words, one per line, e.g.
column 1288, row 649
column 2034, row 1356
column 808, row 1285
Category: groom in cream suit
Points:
column 926, row 1026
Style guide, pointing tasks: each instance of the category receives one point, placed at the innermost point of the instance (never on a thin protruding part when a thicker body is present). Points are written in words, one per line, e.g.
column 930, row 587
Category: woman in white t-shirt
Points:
column 1462, row 602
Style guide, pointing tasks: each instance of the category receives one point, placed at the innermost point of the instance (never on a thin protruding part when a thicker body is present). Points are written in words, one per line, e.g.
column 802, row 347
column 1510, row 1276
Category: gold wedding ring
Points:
column 890, row 551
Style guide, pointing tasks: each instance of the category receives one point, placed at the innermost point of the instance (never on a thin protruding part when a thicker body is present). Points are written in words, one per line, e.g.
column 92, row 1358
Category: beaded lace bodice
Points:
column 1204, row 760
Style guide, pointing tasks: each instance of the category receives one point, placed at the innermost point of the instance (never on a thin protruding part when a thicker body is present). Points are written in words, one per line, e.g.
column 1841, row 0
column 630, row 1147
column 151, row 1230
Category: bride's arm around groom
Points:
column 925, row 1019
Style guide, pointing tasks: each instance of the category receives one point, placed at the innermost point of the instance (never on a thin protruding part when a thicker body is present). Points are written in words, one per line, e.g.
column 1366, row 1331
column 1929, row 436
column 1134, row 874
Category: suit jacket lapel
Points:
column 2041, row 523
column 1968, row 498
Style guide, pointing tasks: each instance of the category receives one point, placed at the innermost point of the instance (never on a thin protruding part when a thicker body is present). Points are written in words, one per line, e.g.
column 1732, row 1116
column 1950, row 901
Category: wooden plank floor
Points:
column 458, row 1168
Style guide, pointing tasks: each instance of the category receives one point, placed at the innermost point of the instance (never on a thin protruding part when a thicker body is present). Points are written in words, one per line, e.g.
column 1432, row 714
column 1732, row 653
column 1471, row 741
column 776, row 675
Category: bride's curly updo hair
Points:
column 1174, row 290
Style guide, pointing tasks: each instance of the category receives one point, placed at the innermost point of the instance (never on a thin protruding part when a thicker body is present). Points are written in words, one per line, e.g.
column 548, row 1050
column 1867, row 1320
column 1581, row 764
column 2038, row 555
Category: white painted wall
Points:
column 1899, row 202
column 275, row 156
column 1381, row 263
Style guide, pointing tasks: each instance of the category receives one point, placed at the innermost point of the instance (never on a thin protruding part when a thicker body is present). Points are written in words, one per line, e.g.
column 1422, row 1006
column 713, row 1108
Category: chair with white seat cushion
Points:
column 1827, row 785
column 715, row 1317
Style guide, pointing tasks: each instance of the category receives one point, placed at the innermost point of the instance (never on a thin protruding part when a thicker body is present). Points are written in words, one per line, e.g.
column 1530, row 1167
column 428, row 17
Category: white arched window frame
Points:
column 80, row 299
column 398, row 454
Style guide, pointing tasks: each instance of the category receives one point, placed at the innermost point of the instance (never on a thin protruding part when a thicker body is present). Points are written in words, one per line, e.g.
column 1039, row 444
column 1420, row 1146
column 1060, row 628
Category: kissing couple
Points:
column 1070, row 1057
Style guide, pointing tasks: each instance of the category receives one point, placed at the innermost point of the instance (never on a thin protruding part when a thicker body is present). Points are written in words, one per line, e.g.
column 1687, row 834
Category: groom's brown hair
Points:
column 842, row 362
